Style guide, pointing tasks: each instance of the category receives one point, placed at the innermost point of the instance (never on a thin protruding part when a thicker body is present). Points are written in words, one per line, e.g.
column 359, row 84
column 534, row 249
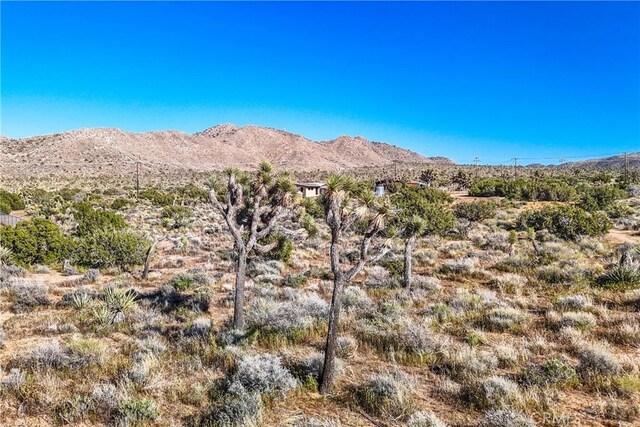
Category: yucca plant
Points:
column 621, row 276
column 80, row 300
column 5, row 255
column 119, row 301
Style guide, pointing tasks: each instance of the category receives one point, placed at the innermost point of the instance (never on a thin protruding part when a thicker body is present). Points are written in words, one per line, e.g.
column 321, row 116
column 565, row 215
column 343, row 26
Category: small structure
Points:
column 9, row 220
column 311, row 189
column 381, row 187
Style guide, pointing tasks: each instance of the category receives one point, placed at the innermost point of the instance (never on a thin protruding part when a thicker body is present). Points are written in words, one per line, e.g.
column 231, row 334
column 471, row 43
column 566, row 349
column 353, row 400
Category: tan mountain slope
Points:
column 113, row 151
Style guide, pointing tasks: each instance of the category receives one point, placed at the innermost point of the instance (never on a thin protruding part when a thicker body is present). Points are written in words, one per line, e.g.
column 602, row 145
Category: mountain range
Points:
column 113, row 151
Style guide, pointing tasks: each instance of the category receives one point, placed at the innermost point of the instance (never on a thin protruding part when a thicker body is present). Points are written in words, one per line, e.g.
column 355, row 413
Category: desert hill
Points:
column 113, row 151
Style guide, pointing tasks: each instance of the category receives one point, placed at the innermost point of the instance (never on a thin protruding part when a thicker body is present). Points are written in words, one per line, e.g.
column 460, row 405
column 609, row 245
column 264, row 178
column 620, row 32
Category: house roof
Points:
column 310, row 184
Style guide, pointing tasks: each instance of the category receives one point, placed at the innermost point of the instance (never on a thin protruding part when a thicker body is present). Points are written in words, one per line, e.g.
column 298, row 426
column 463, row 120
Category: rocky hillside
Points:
column 613, row 162
column 113, row 151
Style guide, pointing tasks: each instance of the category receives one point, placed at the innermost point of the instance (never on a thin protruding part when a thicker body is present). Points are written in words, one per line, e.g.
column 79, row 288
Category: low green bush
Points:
column 36, row 241
column 111, row 248
column 176, row 216
column 565, row 221
column 475, row 211
column 10, row 202
column 90, row 219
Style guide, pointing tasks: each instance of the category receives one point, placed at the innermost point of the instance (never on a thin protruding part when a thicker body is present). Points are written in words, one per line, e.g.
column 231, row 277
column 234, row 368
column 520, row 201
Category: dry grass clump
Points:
column 386, row 396
column 596, row 359
column 572, row 319
column 493, row 392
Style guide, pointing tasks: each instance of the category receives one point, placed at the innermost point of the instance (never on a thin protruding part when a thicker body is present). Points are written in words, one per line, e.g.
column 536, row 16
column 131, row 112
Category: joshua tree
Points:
column 429, row 176
column 345, row 207
column 251, row 207
column 419, row 213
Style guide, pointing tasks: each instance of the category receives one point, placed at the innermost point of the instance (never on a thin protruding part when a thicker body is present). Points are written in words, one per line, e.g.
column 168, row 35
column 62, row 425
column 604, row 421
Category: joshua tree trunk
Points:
column 334, row 316
column 408, row 258
column 147, row 259
column 241, row 271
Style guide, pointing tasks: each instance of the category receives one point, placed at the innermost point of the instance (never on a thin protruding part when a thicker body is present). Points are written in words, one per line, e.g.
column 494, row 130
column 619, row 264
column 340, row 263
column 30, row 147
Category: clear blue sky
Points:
column 496, row 80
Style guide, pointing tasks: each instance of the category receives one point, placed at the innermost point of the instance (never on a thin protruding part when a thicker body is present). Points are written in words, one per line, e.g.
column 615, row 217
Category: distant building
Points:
column 311, row 189
column 381, row 186
column 9, row 220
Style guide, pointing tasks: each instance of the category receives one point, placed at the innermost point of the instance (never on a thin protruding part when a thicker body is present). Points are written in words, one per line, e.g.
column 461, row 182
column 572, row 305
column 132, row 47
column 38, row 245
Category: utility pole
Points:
column 476, row 159
column 137, row 180
column 626, row 169
column 515, row 167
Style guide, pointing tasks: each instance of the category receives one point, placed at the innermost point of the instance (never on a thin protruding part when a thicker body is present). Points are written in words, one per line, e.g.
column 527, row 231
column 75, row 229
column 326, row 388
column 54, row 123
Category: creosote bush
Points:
column 566, row 221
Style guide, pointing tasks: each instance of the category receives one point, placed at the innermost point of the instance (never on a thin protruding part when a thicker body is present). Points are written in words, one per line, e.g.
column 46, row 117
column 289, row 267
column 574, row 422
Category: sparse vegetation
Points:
column 531, row 307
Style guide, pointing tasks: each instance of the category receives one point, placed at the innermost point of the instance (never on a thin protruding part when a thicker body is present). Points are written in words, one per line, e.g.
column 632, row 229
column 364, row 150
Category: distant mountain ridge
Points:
column 613, row 162
column 112, row 150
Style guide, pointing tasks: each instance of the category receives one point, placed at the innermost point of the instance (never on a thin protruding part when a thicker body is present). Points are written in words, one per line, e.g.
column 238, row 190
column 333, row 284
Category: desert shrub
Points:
column 553, row 372
column 469, row 363
column 169, row 299
column 136, row 412
column 600, row 197
column 572, row 303
column 475, row 211
column 10, row 202
column 524, row 189
column 120, row 203
column 313, row 207
column 36, row 241
column 5, row 207
column 295, row 280
column 91, row 275
column 596, row 358
column 385, row 396
column 192, row 279
column 425, row 419
column 292, row 319
column 263, row 374
column 14, row 380
column 567, row 222
column 309, row 224
column 73, row 409
column 355, row 298
column 233, row 410
column 505, row 418
column 411, row 342
column 192, row 193
column 461, row 266
column 25, row 294
column 89, row 219
column 106, row 397
column 502, row 319
column 111, row 248
column 309, row 369
column 573, row 319
column 157, row 197
column 283, row 247
column 176, row 216
column 620, row 411
column 493, row 392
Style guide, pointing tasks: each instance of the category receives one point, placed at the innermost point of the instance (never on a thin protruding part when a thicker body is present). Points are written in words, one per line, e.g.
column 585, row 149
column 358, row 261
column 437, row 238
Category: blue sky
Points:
column 538, row 81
